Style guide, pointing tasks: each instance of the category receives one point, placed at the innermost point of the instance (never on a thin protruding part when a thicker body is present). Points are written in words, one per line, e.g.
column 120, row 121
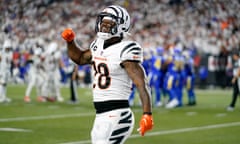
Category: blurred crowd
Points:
column 202, row 24
column 209, row 27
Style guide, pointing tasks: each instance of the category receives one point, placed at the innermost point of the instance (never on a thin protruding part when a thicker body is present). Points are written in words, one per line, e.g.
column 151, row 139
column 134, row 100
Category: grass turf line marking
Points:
column 47, row 117
column 44, row 117
column 14, row 130
column 190, row 129
column 157, row 133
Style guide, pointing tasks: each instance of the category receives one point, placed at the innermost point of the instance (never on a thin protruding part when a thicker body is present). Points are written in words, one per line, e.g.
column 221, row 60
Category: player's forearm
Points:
column 74, row 52
column 144, row 91
column 136, row 72
column 145, row 97
column 238, row 73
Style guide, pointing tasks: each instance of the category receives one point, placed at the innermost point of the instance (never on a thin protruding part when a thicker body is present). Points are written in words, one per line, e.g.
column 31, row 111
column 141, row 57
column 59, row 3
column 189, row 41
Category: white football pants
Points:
column 112, row 127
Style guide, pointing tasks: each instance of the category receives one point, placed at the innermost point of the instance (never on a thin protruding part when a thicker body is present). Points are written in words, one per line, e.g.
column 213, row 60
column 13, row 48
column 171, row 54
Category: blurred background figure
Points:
column 221, row 73
column 36, row 74
column 235, row 80
column 157, row 74
column 52, row 65
column 71, row 70
column 5, row 67
column 172, row 78
column 189, row 77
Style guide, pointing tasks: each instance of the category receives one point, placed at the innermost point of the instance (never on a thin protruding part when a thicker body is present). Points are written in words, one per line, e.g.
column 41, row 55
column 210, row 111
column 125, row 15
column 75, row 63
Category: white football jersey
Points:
column 5, row 65
column 236, row 67
column 111, row 81
column 37, row 66
column 52, row 61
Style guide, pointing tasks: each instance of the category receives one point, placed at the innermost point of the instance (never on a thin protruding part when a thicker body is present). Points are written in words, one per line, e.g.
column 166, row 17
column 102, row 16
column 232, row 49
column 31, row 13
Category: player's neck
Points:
column 112, row 41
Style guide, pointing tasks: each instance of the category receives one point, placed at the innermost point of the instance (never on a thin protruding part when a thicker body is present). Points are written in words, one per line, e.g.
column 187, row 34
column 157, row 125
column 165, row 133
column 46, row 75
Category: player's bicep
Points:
column 79, row 55
column 86, row 57
column 135, row 72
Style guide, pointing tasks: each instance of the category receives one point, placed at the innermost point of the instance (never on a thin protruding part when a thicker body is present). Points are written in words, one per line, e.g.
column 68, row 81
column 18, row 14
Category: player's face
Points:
column 107, row 25
column 8, row 49
column 235, row 57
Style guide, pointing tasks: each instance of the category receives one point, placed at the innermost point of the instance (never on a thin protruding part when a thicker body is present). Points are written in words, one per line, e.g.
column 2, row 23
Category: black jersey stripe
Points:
column 124, row 113
column 120, row 131
column 134, row 49
column 122, row 19
column 127, row 119
column 117, row 140
column 127, row 47
column 136, row 53
column 115, row 10
column 93, row 43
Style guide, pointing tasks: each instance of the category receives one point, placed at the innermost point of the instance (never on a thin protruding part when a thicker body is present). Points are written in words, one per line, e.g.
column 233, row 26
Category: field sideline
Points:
column 61, row 123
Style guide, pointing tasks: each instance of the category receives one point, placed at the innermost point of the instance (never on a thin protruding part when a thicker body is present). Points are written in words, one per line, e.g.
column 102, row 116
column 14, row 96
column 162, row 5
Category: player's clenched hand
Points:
column 68, row 34
column 146, row 123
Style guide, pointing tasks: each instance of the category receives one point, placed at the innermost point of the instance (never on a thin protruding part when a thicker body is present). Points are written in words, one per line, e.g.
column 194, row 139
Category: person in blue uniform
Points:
column 190, row 77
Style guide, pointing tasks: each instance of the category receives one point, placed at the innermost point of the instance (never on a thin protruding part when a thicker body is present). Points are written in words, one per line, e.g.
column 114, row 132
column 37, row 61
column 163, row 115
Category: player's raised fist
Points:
column 68, row 34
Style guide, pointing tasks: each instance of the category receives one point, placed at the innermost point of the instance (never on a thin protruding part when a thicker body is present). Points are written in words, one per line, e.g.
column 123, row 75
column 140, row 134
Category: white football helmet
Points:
column 52, row 47
column 38, row 51
column 117, row 14
column 7, row 44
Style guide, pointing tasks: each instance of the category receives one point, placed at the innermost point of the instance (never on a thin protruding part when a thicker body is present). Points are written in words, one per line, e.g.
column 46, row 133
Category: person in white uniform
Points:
column 52, row 63
column 6, row 57
column 116, row 63
column 36, row 75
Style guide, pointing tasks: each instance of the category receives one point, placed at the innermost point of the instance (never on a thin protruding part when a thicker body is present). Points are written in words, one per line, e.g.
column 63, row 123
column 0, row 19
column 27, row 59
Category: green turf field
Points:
column 57, row 123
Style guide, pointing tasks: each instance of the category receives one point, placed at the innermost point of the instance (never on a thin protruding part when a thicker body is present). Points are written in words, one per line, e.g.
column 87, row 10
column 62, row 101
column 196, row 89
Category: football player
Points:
column 116, row 63
column 235, row 80
column 36, row 74
column 179, row 64
column 52, row 63
column 190, row 77
column 171, row 80
column 157, row 74
column 6, row 56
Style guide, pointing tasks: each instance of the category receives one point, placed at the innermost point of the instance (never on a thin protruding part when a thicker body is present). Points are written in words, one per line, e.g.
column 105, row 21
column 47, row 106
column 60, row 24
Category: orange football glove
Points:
column 146, row 124
column 68, row 34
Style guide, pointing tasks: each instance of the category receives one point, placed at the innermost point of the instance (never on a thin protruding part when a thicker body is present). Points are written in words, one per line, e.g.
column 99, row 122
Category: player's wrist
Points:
column 147, row 113
column 71, row 41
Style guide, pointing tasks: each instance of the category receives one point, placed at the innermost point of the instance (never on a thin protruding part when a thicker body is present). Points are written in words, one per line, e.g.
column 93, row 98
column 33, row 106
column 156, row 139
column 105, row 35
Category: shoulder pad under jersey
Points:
column 131, row 51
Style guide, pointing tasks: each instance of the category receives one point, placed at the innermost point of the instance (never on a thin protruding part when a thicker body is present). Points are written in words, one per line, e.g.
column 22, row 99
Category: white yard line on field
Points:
column 157, row 133
column 44, row 117
column 14, row 130
column 191, row 129
column 48, row 117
